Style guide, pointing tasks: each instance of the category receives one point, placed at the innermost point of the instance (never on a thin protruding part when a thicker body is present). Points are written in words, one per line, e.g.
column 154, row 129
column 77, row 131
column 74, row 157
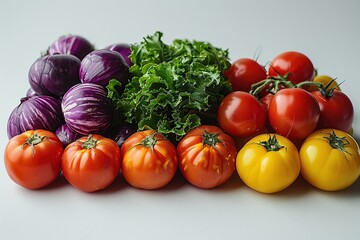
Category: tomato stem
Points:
column 211, row 139
column 271, row 144
column 326, row 91
column 149, row 141
column 33, row 140
column 90, row 143
column 274, row 84
column 337, row 142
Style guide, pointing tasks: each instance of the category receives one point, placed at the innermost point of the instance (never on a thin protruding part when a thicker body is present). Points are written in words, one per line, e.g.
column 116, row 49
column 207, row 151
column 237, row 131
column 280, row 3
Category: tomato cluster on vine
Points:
column 287, row 98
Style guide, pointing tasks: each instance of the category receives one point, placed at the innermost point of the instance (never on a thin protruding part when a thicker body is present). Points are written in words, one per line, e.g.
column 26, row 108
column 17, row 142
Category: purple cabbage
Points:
column 36, row 112
column 87, row 109
column 66, row 135
column 30, row 93
column 124, row 50
column 71, row 44
column 100, row 66
column 54, row 74
column 120, row 132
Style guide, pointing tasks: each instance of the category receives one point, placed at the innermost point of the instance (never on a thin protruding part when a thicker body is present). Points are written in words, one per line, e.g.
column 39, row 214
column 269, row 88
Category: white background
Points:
column 327, row 31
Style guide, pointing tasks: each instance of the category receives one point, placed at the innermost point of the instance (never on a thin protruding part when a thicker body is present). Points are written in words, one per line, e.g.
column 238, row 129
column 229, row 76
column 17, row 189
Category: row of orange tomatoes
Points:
column 206, row 156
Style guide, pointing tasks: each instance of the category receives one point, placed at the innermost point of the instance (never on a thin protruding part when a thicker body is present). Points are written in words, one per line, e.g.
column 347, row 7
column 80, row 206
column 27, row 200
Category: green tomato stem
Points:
column 34, row 140
column 90, row 143
column 272, row 144
column 337, row 142
column 149, row 141
column 211, row 139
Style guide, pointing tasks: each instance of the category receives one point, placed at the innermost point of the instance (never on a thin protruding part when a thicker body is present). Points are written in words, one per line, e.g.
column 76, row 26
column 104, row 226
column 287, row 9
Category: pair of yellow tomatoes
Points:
column 328, row 159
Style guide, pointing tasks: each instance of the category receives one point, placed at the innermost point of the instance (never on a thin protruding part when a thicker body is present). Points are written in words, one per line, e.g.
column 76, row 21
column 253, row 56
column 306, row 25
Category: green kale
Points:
column 173, row 88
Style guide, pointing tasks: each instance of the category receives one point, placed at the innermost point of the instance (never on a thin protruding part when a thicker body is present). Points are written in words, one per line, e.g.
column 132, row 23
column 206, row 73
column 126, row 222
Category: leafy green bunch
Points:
column 173, row 87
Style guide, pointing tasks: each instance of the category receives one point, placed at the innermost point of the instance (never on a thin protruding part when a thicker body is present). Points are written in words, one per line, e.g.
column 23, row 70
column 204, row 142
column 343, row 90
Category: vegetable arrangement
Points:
column 147, row 110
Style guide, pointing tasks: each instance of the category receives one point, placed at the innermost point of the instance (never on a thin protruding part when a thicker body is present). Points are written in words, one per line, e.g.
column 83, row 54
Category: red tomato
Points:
column 241, row 114
column 267, row 100
column 91, row 163
column 336, row 111
column 297, row 65
column 243, row 73
column 207, row 156
column 294, row 113
column 149, row 160
column 33, row 158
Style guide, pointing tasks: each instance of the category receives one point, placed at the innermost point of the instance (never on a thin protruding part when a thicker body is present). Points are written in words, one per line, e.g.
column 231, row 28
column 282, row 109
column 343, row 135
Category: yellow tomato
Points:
column 268, row 163
column 330, row 159
column 324, row 79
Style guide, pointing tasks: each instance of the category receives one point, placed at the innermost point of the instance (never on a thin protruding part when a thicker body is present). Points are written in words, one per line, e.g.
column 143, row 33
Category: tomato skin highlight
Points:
column 203, row 162
column 94, row 168
column 148, row 167
column 294, row 113
column 33, row 167
column 241, row 114
column 268, row 171
column 326, row 167
column 296, row 64
column 243, row 73
column 336, row 111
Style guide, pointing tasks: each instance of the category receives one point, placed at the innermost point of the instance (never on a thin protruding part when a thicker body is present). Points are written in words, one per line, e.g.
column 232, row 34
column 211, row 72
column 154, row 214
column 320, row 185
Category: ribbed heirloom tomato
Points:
column 149, row 160
column 91, row 163
column 330, row 159
column 33, row 158
column 206, row 156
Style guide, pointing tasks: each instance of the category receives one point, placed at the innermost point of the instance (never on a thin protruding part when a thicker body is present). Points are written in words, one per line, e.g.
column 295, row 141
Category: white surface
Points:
column 327, row 31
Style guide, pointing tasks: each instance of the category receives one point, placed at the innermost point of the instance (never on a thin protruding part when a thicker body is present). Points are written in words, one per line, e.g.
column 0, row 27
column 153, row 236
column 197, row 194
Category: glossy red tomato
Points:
column 297, row 65
column 207, row 156
column 243, row 73
column 91, row 163
column 336, row 111
column 267, row 100
column 241, row 114
column 33, row 158
column 294, row 113
column 149, row 160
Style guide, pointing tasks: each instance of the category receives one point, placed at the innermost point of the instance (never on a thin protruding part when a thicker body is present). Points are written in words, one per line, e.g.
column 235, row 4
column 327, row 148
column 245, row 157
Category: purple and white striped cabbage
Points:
column 124, row 50
column 36, row 112
column 100, row 66
column 120, row 132
column 71, row 44
column 87, row 109
column 30, row 93
column 54, row 74
column 66, row 135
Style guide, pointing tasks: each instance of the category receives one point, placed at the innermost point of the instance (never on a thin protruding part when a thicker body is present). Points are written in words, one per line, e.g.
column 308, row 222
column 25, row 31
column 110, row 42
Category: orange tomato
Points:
column 149, row 160
column 91, row 163
column 207, row 156
column 33, row 158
